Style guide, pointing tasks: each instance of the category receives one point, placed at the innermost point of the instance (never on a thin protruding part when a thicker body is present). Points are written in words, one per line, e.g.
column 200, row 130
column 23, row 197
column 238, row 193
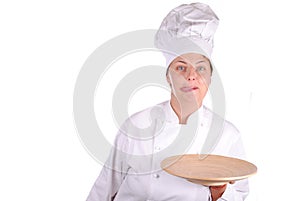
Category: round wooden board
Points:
column 208, row 170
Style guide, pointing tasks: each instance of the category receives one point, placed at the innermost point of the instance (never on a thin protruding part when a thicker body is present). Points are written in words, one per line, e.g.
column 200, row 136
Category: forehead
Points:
column 191, row 58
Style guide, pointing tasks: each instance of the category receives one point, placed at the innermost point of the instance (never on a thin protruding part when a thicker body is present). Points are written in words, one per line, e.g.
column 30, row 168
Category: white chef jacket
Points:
column 133, row 173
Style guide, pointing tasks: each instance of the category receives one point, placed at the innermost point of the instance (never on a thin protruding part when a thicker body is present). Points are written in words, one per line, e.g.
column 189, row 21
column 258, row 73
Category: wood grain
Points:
column 208, row 170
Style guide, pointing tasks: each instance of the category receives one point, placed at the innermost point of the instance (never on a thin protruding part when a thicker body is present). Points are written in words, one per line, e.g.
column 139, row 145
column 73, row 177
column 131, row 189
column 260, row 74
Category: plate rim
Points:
column 219, row 179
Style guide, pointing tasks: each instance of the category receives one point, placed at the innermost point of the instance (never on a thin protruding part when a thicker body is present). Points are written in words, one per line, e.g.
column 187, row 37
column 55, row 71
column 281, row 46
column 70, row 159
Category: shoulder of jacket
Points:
column 227, row 125
column 145, row 117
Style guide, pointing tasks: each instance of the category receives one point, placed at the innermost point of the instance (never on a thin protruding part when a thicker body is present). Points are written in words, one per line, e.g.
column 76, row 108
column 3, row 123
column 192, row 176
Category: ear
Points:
column 168, row 79
column 168, row 76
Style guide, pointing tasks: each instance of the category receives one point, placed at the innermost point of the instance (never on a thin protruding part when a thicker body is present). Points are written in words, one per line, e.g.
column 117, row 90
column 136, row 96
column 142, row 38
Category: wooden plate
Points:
column 208, row 170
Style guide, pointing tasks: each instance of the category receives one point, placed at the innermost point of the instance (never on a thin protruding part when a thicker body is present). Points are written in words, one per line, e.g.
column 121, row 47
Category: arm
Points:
column 234, row 191
column 237, row 191
column 112, row 174
column 106, row 186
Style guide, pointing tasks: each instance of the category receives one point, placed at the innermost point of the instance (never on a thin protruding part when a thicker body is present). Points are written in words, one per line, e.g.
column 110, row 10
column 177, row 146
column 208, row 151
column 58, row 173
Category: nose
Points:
column 191, row 75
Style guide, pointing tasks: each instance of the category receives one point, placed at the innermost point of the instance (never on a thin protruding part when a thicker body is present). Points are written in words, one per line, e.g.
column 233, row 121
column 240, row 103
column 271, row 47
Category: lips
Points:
column 188, row 89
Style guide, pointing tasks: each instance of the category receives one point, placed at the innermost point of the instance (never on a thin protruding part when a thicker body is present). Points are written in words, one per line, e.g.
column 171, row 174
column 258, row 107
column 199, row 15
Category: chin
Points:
column 192, row 99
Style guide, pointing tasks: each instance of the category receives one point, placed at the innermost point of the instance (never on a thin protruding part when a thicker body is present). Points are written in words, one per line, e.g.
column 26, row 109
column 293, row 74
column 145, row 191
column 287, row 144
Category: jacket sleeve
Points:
column 112, row 174
column 240, row 189
column 235, row 192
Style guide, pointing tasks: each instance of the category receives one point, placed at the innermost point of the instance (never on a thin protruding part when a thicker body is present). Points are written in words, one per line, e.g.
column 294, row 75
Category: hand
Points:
column 217, row 191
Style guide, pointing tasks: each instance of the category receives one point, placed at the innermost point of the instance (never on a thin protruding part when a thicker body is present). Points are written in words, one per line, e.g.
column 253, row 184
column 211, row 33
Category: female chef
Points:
column 178, row 126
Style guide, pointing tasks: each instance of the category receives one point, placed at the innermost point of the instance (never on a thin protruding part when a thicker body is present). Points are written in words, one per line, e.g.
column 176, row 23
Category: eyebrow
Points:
column 182, row 61
column 201, row 61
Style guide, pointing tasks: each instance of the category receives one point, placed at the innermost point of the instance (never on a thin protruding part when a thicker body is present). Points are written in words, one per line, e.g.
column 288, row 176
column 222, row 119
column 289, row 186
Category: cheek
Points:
column 175, row 79
column 205, row 80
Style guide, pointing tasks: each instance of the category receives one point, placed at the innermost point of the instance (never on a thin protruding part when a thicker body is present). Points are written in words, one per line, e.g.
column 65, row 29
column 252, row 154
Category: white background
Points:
column 44, row 44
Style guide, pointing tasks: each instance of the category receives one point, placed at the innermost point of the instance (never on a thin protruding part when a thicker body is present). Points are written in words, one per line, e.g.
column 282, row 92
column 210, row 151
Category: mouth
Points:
column 188, row 89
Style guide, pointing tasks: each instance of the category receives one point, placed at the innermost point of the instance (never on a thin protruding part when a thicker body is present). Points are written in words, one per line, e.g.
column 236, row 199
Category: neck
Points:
column 184, row 109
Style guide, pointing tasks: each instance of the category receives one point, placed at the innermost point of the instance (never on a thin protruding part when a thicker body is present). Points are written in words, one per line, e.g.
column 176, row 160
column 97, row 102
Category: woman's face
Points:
column 189, row 76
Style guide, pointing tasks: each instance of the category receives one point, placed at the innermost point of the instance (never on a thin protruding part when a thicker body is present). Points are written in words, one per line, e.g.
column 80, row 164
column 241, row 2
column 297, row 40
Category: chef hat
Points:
column 187, row 28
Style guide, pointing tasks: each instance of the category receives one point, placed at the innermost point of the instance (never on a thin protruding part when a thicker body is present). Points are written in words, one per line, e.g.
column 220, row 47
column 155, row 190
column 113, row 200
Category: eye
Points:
column 181, row 68
column 201, row 69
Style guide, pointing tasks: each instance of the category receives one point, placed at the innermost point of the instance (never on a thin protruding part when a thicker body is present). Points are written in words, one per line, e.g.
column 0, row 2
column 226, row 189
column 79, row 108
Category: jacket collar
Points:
column 173, row 118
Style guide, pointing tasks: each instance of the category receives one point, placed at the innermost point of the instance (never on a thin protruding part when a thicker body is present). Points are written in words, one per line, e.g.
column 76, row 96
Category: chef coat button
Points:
column 157, row 148
column 201, row 124
column 156, row 176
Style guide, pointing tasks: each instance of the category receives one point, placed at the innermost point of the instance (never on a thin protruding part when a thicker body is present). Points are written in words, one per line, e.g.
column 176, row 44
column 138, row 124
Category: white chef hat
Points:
column 187, row 28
